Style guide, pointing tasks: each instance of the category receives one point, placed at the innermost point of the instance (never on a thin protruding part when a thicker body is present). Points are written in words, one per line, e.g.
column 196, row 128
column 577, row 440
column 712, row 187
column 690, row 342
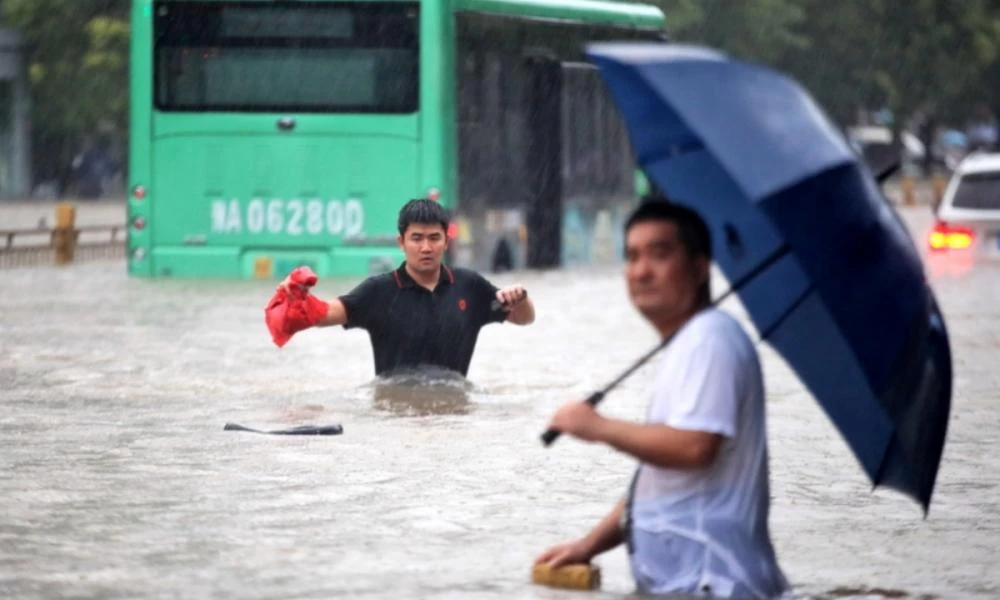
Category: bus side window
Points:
column 580, row 123
column 473, row 145
column 586, row 145
column 598, row 133
column 515, row 128
column 470, row 86
column 615, row 152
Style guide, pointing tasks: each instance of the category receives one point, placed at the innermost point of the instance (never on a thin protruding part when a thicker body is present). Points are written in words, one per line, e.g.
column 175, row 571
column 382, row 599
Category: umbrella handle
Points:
column 551, row 435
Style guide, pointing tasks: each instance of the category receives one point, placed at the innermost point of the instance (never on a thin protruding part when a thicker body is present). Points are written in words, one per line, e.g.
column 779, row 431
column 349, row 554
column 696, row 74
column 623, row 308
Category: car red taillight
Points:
column 950, row 237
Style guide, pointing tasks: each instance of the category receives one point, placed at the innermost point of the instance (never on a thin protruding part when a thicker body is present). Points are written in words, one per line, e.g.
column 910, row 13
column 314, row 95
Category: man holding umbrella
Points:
column 698, row 507
column 829, row 277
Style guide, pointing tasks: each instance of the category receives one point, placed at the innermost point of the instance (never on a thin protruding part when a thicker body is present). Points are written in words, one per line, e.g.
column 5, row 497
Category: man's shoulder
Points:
column 382, row 278
column 714, row 332
column 377, row 282
column 714, row 322
column 712, row 347
column 463, row 275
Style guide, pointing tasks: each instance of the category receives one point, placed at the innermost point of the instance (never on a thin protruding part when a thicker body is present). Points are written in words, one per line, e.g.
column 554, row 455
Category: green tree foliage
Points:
column 934, row 56
column 78, row 66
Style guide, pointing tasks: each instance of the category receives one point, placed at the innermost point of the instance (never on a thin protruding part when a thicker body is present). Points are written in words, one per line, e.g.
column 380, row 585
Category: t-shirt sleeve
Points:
column 706, row 395
column 486, row 298
column 361, row 304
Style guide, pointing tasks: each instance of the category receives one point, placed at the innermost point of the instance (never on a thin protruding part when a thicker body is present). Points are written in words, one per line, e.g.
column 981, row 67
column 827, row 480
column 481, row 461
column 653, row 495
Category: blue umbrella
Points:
column 821, row 262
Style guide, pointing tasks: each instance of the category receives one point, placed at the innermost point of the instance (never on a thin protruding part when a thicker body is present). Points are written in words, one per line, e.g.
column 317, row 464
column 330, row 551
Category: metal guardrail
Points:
column 62, row 244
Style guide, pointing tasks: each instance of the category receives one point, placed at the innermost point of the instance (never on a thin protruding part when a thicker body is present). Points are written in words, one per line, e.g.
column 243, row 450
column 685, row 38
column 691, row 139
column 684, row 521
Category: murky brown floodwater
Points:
column 117, row 480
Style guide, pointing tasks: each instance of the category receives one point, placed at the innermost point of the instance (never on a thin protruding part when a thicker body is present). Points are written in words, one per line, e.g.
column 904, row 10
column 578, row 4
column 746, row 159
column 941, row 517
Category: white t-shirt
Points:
column 712, row 522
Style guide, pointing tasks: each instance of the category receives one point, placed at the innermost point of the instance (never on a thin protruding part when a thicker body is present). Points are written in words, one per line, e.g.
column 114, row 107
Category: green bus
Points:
column 267, row 134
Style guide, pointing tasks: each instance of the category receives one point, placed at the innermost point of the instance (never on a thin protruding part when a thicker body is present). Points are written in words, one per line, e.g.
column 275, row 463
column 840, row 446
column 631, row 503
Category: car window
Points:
column 978, row 191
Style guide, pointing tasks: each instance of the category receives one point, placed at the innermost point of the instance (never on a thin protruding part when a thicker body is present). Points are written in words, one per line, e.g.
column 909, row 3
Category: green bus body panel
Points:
column 246, row 263
column 229, row 195
column 140, row 129
column 293, row 175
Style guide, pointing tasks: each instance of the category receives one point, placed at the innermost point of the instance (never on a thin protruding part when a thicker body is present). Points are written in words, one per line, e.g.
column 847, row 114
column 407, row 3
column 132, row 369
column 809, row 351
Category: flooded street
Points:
column 118, row 481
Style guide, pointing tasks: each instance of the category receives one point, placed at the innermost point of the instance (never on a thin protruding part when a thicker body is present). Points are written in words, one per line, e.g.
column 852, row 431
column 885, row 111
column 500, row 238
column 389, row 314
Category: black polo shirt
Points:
column 411, row 326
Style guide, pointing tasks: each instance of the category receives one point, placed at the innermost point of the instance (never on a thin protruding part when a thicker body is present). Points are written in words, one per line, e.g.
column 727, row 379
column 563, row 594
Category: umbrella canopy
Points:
column 820, row 260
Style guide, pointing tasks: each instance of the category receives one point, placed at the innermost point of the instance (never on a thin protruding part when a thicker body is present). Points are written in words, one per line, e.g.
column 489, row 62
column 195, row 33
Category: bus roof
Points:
column 590, row 11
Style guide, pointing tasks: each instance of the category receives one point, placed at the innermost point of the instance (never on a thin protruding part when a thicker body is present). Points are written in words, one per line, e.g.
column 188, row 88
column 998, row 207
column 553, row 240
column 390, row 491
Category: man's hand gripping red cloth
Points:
column 293, row 308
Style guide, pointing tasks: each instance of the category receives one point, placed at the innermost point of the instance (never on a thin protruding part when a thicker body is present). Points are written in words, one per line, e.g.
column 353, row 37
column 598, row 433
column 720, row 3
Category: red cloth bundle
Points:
column 293, row 309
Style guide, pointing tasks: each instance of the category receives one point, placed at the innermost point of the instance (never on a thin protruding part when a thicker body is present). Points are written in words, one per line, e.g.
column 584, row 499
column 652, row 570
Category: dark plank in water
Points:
column 300, row 430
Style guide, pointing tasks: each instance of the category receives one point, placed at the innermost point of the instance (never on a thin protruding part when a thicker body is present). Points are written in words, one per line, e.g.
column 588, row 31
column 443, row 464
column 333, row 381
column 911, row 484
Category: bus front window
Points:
column 356, row 57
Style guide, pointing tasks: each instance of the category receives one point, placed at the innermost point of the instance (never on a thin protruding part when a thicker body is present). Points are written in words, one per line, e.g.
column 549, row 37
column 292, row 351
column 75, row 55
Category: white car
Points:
column 968, row 218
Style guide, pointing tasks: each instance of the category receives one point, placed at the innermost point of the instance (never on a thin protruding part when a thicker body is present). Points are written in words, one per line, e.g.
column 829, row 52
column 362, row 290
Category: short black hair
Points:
column 691, row 228
column 424, row 212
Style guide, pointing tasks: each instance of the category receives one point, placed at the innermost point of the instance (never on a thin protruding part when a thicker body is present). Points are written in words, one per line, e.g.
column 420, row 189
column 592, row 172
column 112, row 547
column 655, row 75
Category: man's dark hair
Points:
column 423, row 212
column 691, row 228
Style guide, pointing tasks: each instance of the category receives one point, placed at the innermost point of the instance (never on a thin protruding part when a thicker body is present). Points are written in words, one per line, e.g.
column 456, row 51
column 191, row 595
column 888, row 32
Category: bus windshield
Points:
column 356, row 57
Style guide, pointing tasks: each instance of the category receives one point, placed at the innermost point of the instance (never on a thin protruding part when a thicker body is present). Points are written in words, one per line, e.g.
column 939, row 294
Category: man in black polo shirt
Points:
column 425, row 313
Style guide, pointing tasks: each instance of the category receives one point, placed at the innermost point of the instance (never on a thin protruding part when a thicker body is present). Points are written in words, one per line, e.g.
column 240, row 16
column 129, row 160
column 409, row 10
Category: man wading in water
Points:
column 698, row 507
column 423, row 314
